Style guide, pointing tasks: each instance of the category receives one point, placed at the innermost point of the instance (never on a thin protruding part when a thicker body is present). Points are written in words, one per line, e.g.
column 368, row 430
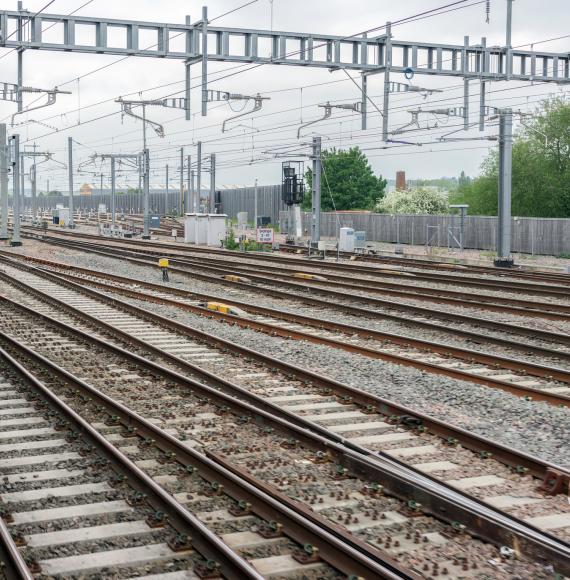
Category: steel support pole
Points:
column 364, row 104
column 22, row 181
column 182, row 204
column 33, row 182
column 113, row 210
column 212, row 203
column 146, row 185
column 16, row 193
column 462, row 229
column 204, row 61
column 167, row 192
column 316, row 197
column 188, row 68
column 364, row 85
column 146, row 182
column 504, row 257
column 484, row 70
column 465, row 67
column 71, row 223
column 3, row 183
column 387, row 65
column 19, row 36
column 508, row 41
column 255, row 205
column 191, row 187
column 190, row 201
column 199, row 175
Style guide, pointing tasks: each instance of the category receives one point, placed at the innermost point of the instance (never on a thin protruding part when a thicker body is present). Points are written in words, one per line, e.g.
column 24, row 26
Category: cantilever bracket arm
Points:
column 328, row 112
column 413, row 123
column 127, row 108
column 51, row 99
column 258, row 99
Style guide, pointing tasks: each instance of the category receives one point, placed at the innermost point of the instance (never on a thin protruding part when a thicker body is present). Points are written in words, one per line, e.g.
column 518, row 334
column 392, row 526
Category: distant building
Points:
column 86, row 189
column 400, row 180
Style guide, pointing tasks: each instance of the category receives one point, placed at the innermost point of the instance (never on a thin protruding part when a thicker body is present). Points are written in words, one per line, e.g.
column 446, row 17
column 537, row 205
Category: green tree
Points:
column 417, row 200
column 350, row 178
column 541, row 168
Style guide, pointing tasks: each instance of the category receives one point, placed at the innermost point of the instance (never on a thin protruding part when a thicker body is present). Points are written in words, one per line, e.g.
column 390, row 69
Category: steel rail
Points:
column 464, row 354
column 401, row 481
column 557, row 312
column 309, row 285
column 204, row 540
column 353, row 310
column 382, row 258
column 198, row 272
column 553, row 311
column 12, row 564
column 260, row 403
column 515, row 286
column 352, row 556
column 367, row 401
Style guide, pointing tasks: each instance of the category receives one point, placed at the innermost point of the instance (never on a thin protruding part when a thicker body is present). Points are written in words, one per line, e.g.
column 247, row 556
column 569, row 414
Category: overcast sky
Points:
column 292, row 99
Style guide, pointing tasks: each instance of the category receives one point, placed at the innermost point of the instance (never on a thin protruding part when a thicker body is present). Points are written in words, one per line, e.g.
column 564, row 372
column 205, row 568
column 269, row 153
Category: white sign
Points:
column 102, row 208
column 265, row 235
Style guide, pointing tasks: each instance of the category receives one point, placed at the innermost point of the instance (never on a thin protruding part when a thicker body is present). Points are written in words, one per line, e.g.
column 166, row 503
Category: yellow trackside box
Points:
column 219, row 307
column 305, row 276
column 163, row 262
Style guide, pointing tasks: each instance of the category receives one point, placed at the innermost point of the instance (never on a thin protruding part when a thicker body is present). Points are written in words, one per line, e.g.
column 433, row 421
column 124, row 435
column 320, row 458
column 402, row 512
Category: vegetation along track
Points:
column 523, row 378
column 402, row 441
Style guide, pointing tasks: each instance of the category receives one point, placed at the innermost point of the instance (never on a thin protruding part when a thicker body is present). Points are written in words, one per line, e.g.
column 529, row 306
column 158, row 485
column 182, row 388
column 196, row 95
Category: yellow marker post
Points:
column 163, row 265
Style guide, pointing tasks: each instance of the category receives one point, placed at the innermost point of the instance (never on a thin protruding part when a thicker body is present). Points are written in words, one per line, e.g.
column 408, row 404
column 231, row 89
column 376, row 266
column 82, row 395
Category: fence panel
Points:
column 550, row 236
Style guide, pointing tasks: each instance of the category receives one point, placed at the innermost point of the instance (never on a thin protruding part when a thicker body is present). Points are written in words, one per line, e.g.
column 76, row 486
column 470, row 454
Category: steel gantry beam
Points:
column 357, row 52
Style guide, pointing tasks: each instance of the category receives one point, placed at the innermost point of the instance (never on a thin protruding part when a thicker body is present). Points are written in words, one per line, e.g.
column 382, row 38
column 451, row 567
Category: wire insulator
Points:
column 488, row 11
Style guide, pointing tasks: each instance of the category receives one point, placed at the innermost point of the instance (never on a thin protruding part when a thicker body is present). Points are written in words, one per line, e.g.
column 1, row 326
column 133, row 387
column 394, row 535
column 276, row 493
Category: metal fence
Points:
column 268, row 202
column 233, row 201
column 548, row 236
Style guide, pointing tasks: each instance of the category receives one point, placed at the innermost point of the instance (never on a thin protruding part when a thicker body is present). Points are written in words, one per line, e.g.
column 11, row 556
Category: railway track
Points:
column 492, row 279
column 532, row 308
column 520, row 272
column 372, row 308
column 74, row 505
column 252, row 534
column 331, row 407
column 266, row 454
column 523, row 378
